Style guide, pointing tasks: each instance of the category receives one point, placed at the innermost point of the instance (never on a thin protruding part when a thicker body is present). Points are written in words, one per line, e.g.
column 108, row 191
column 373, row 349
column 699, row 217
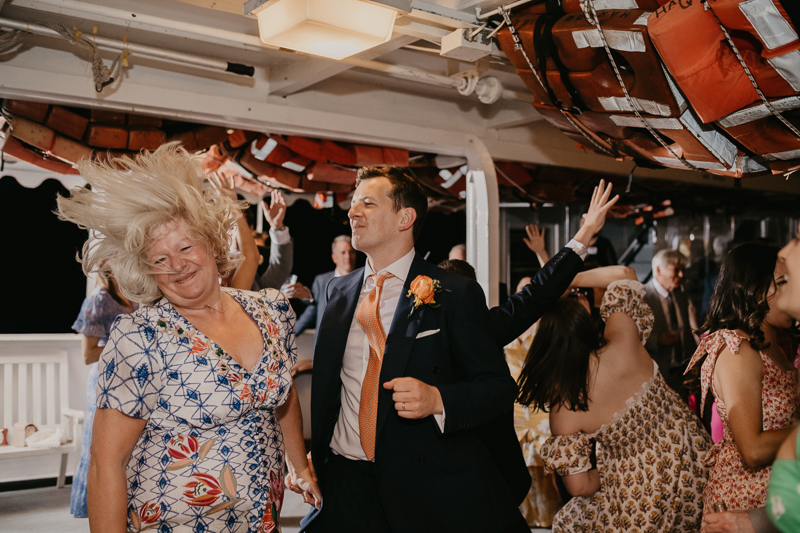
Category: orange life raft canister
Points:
column 704, row 65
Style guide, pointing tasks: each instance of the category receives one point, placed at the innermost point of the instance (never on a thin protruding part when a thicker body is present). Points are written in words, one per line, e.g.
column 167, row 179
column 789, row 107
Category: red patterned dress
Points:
column 730, row 481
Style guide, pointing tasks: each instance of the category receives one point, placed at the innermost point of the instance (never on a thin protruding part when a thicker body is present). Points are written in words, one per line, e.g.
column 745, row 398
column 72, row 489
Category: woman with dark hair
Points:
column 625, row 445
column 747, row 364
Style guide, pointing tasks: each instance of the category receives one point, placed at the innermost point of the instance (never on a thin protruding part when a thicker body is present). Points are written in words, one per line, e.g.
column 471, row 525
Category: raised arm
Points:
column 602, row 277
column 281, row 249
column 245, row 273
column 515, row 316
column 595, row 217
column 535, row 242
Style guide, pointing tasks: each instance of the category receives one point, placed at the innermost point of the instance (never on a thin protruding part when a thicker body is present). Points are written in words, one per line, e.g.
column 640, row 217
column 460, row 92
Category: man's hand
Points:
column 275, row 212
column 669, row 338
column 414, row 399
column 595, row 217
column 297, row 290
column 728, row 522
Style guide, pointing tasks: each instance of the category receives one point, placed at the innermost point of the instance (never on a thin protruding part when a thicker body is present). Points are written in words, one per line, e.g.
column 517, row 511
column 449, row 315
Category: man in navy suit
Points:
column 441, row 377
column 344, row 257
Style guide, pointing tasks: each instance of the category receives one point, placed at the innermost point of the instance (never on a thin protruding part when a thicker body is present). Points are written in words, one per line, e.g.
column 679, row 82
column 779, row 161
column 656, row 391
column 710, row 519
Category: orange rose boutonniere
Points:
column 423, row 289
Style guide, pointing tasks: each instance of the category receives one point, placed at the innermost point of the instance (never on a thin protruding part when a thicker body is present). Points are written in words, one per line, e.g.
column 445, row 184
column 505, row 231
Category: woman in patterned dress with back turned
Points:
column 747, row 362
column 625, row 445
column 195, row 403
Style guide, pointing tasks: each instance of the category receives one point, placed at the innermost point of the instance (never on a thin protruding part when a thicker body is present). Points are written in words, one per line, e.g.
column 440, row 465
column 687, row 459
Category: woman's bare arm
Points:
column 788, row 449
column 565, row 422
column 291, row 420
column 91, row 351
column 114, row 437
column 602, row 277
column 737, row 378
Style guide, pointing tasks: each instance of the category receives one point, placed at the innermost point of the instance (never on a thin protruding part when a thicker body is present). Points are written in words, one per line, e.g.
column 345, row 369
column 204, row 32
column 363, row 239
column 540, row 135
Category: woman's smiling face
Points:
column 186, row 271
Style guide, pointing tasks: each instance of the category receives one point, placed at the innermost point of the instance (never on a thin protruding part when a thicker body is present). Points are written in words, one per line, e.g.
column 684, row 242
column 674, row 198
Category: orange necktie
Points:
column 369, row 318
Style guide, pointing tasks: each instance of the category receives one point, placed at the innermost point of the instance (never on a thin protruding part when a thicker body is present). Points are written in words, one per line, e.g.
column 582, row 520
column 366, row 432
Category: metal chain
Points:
column 594, row 20
column 750, row 76
column 518, row 46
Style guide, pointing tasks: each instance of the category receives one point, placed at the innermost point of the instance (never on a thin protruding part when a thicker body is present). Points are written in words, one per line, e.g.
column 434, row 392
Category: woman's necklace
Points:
column 209, row 306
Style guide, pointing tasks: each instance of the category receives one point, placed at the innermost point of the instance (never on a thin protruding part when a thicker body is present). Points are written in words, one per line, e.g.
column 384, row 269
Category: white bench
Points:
column 36, row 390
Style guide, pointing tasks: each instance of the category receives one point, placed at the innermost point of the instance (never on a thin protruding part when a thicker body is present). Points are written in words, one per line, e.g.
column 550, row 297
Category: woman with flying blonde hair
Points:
column 195, row 403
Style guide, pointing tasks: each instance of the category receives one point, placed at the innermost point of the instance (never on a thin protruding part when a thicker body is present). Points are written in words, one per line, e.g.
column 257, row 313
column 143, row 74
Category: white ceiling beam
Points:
column 433, row 12
column 303, row 71
column 420, row 30
column 229, row 6
column 141, row 20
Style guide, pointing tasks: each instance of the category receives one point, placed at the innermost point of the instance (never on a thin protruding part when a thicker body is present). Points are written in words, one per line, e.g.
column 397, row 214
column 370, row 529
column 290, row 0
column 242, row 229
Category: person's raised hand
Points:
column 535, row 239
column 595, row 217
column 223, row 184
column 275, row 212
column 728, row 522
column 414, row 399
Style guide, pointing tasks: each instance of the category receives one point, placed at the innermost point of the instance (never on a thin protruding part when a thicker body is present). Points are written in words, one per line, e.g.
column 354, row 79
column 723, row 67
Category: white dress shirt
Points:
column 578, row 248
column 281, row 236
column 346, row 439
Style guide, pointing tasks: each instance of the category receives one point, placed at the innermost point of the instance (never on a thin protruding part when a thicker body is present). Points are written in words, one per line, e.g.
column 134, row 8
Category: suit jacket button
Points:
column 421, row 459
column 436, row 370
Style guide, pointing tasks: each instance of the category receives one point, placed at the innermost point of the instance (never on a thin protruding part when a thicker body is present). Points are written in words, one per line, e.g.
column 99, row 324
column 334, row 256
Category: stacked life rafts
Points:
column 709, row 85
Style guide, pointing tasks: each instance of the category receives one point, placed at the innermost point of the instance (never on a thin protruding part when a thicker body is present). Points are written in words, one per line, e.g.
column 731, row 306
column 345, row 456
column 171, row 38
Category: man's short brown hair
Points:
column 406, row 192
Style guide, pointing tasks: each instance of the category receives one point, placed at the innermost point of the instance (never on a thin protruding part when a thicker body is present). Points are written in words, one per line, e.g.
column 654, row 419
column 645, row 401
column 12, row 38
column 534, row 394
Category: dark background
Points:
column 44, row 285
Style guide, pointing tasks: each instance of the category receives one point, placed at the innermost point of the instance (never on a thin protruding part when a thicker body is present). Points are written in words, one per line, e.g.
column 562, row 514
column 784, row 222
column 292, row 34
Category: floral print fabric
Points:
column 627, row 296
column 731, row 482
column 649, row 456
column 210, row 457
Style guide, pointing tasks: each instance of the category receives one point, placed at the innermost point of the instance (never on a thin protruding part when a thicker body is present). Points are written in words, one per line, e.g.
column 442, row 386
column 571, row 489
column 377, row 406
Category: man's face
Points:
column 344, row 257
column 372, row 217
column 669, row 276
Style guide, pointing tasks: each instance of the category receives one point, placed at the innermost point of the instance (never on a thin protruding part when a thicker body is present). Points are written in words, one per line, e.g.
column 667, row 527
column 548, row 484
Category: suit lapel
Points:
column 400, row 340
column 328, row 354
column 335, row 325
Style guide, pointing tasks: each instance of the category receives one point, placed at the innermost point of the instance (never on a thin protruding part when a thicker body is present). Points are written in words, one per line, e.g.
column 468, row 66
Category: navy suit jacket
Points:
column 425, row 475
column 313, row 312
column 510, row 320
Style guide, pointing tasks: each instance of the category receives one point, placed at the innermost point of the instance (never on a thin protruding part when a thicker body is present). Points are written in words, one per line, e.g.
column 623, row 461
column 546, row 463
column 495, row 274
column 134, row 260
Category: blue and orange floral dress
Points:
column 210, row 457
